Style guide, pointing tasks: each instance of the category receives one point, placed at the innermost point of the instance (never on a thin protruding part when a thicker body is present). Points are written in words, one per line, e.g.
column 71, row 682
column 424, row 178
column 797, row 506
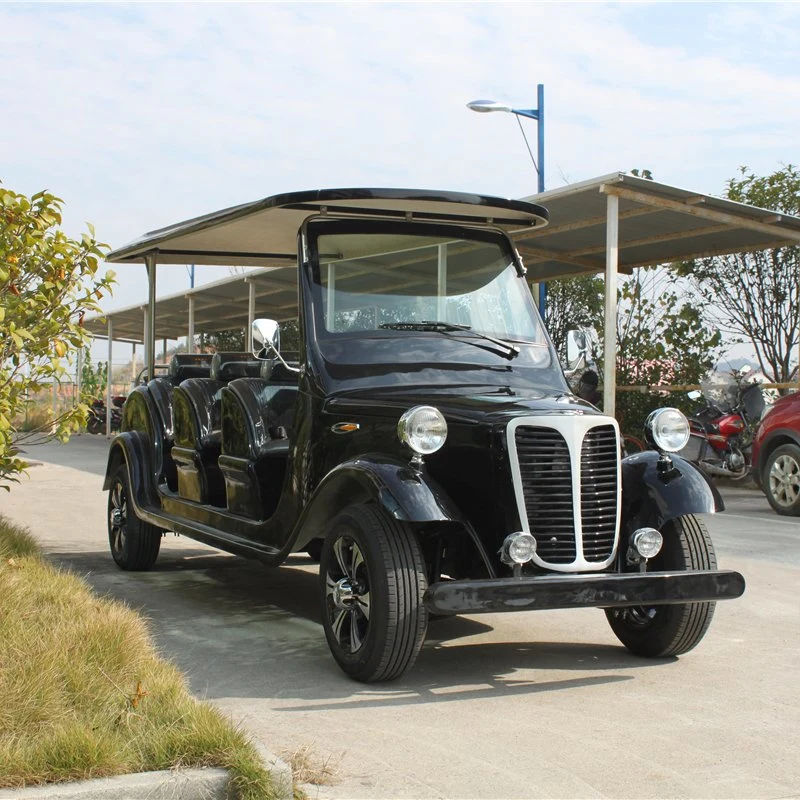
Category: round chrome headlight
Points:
column 423, row 429
column 667, row 429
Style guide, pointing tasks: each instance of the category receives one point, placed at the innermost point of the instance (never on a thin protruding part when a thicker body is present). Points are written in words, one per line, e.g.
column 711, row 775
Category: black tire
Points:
column 134, row 543
column 93, row 426
column 372, row 579
column 781, row 480
column 631, row 445
column 670, row 630
column 314, row 549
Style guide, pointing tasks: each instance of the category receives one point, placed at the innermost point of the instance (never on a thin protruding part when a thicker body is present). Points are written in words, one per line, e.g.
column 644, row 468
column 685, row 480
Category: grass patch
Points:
column 309, row 767
column 85, row 694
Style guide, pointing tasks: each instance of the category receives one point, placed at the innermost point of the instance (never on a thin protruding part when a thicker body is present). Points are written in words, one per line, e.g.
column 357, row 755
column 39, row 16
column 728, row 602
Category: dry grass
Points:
column 84, row 693
column 309, row 767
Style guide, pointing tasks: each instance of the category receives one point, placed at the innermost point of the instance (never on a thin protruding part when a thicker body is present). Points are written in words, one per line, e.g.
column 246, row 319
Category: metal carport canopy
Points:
column 658, row 224
column 608, row 224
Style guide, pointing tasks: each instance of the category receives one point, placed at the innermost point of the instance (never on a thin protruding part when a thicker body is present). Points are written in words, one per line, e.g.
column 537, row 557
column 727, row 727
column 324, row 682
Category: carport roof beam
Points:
column 695, row 210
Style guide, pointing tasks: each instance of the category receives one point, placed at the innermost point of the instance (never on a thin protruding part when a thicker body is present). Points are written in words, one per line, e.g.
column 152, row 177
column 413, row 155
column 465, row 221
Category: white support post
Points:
column 133, row 363
column 108, row 377
column 150, row 260
column 54, row 400
column 190, row 335
column 78, row 373
column 331, row 297
column 163, row 351
column 441, row 290
column 612, row 266
column 145, row 334
column 251, row 314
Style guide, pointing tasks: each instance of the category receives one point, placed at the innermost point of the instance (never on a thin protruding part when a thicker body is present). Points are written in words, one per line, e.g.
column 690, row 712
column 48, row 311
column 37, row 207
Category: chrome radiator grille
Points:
column 599, row 457
column 571, row 508
column 546, row 472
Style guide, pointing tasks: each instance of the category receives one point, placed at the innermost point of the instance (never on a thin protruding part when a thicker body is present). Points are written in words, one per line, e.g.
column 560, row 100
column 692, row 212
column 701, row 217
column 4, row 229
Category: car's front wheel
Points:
column 670, row 630
column 781, row 480
column 372, row 579
column 134, row 543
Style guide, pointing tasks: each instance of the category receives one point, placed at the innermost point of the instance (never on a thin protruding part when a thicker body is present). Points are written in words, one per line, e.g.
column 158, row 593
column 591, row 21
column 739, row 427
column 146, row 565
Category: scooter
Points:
column 96, row 418
column 721, row 433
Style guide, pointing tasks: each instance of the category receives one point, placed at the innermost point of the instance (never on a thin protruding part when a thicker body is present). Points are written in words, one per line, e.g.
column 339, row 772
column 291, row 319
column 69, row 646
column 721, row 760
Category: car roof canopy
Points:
column 264, row 233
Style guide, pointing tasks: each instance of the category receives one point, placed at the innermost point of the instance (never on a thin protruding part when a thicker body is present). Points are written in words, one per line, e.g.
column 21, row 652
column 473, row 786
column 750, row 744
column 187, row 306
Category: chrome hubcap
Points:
column 347, row 596
column 784, row 480
column 117, row 517
column 343, row 593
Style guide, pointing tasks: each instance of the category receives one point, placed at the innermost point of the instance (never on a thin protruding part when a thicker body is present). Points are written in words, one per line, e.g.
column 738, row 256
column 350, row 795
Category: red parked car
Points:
column 776, row 455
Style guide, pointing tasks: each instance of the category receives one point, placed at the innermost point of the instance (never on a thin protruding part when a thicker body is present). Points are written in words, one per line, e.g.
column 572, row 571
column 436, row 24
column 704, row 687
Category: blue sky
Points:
column 141, row 115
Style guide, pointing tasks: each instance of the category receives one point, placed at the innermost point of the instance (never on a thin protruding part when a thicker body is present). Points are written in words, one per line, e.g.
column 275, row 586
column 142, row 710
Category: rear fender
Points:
column 406, row 494
column 655, row 491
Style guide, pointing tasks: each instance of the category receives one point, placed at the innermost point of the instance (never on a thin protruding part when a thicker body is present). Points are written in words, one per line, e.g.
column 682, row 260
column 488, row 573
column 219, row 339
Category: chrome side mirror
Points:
column 577, row 349
column 267, row 335
column 267, row 341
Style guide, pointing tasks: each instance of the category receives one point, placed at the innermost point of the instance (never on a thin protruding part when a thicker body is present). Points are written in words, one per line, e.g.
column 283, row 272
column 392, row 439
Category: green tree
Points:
column 48, row 281
column 94, row 377
column 573, row 303
column 755, row 296
column 661, row 339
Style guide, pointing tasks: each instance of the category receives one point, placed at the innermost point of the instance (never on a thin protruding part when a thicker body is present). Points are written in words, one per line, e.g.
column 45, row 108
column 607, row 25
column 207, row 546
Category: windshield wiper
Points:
column 509, row 350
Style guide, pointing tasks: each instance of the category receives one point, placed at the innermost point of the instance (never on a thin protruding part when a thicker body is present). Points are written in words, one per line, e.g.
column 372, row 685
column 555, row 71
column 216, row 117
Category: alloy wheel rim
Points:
column 347, row 595
column 639, row 616
column 118, row 518
column 784, row 480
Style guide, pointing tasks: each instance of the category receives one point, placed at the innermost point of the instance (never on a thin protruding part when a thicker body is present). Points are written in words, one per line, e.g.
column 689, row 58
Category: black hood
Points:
column 459, row 403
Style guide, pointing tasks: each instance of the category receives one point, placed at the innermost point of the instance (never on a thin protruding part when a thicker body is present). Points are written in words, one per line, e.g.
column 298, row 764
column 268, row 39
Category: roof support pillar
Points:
column 144, row 336
column 150, row 354
column 610, row 346
column 79, row 372
column 54, row 402
column 190, row 334
column 133, row 363
column 108, row 377
column 251, row 314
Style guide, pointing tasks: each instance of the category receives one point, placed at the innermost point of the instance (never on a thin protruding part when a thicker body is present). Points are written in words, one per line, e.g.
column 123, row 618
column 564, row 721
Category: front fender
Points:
column 653, row 495
column 132, row 448
column 406, row 494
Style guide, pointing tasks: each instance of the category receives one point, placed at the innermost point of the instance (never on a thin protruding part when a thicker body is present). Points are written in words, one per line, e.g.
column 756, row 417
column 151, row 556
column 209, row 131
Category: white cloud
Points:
column 141, row 115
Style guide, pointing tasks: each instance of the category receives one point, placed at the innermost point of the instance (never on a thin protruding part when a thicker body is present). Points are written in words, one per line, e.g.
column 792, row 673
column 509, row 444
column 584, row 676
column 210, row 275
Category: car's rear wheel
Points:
column 372, row 579
column 134, row 543
column 670, row 630
column 781, row 480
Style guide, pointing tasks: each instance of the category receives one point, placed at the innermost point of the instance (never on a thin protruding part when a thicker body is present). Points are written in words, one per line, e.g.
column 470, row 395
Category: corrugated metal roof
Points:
column 658, row 224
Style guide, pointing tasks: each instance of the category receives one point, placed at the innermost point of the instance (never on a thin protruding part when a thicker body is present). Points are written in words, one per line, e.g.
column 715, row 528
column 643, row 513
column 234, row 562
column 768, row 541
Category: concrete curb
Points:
column 204, row 784
column 282, row 779
column 177, row 784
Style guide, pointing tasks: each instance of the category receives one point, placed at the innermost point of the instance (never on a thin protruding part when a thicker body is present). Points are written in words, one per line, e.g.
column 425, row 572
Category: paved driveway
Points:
column 535, row 704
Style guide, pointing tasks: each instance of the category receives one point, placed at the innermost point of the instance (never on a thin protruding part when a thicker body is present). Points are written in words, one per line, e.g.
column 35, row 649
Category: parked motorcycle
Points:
column 96, row 418
column 721, row 432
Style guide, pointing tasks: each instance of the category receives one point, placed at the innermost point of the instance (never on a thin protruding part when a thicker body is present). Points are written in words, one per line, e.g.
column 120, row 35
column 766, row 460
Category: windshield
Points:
column 393, row 279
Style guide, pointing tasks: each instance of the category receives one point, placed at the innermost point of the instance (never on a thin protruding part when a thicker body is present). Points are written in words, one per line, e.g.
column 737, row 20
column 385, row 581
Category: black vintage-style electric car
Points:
column 423, row 440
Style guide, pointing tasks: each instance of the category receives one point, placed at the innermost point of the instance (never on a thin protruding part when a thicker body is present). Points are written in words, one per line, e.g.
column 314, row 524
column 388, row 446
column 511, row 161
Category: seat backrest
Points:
column 161, row 391
column 189, row 365
column 196, row 409
column 256, row 414
column 273, row 371
column 227, row 366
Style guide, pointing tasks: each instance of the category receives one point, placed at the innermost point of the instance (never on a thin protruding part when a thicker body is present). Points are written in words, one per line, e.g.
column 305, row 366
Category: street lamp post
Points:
column 485, row 106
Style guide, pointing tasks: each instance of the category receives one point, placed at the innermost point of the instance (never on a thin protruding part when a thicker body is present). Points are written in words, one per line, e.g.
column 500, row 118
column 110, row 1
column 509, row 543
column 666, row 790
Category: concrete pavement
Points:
column 534, row 704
